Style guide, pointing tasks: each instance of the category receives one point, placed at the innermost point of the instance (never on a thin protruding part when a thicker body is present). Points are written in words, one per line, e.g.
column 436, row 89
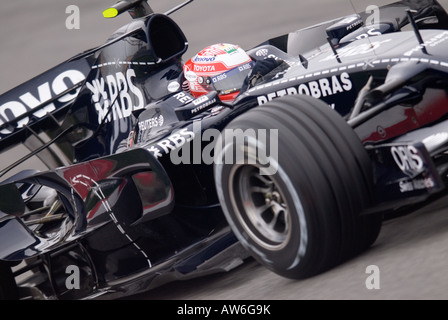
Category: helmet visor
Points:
column 231, row 80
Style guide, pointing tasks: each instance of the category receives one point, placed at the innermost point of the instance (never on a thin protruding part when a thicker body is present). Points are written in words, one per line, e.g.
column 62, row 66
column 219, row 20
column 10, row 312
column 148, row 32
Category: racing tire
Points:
column 298, row 214
column 8, row 287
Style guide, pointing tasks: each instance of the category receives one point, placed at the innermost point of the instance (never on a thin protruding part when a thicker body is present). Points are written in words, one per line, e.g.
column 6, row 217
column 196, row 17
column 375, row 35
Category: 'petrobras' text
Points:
column 319, row 88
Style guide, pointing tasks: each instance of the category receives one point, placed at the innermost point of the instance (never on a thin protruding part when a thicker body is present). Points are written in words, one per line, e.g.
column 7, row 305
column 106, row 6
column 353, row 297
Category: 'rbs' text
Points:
column 116, row 92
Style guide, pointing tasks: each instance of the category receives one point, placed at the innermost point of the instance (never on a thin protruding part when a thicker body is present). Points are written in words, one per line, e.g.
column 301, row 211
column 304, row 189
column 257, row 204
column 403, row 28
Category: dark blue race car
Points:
column 336, row 127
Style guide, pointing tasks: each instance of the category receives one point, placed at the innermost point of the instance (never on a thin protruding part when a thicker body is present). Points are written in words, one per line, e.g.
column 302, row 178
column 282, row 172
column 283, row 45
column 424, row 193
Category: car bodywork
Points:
column 115, row 205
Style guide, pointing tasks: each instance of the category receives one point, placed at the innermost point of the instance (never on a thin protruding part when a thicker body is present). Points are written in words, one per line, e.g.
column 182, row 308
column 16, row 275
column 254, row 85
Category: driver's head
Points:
column 221, row 67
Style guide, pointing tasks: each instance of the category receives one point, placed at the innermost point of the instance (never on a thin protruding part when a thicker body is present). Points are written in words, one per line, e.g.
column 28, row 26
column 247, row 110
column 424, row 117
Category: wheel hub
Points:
column 260, row 207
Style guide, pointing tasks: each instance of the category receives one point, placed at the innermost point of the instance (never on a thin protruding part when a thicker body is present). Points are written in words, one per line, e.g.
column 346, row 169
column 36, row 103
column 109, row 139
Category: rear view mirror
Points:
column 343, row 28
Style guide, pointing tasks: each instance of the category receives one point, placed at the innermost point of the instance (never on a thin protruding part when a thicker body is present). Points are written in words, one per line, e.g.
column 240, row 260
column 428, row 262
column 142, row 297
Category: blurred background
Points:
column 34, row 36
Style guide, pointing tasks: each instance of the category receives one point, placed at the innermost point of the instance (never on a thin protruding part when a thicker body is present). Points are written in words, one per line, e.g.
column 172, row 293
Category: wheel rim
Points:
column 260, row 206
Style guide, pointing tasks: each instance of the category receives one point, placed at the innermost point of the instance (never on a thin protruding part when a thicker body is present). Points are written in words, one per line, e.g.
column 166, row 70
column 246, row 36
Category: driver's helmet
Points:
column 221, row 67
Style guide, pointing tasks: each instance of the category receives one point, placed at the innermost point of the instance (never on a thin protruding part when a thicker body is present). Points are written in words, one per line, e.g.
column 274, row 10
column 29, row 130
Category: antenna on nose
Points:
column 416, row 30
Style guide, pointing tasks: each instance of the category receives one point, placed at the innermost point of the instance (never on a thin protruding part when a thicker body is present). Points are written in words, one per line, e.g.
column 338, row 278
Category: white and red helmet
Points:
column 221, row 67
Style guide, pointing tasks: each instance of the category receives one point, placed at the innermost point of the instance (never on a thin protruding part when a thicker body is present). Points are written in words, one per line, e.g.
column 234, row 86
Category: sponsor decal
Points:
column 404, row 168
column 319, row 88
column 211, row 51
column 355, row 50
column 407, row 159
column 245, row 66
column 229, row 49
column 173, row 86
column 173, row 142
column 433, row 42
column 417, row 184
column 117, row 92
column 262, row 53
column 191, row 76
column 153, row 122
column 210, row 147
column 202, row 103
column 354, row 22
column 204, row 59
column 219, row 77
column 45, row 92
column 200, row 100
column 371, row 32
column 198, row 68
column 183, row 97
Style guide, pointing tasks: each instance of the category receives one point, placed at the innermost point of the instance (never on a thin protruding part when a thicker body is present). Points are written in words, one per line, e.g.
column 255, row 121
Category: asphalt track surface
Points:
column 411, row 253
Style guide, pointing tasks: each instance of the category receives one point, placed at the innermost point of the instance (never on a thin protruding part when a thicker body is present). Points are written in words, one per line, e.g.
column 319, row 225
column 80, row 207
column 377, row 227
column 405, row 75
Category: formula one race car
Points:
column 334, row 127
